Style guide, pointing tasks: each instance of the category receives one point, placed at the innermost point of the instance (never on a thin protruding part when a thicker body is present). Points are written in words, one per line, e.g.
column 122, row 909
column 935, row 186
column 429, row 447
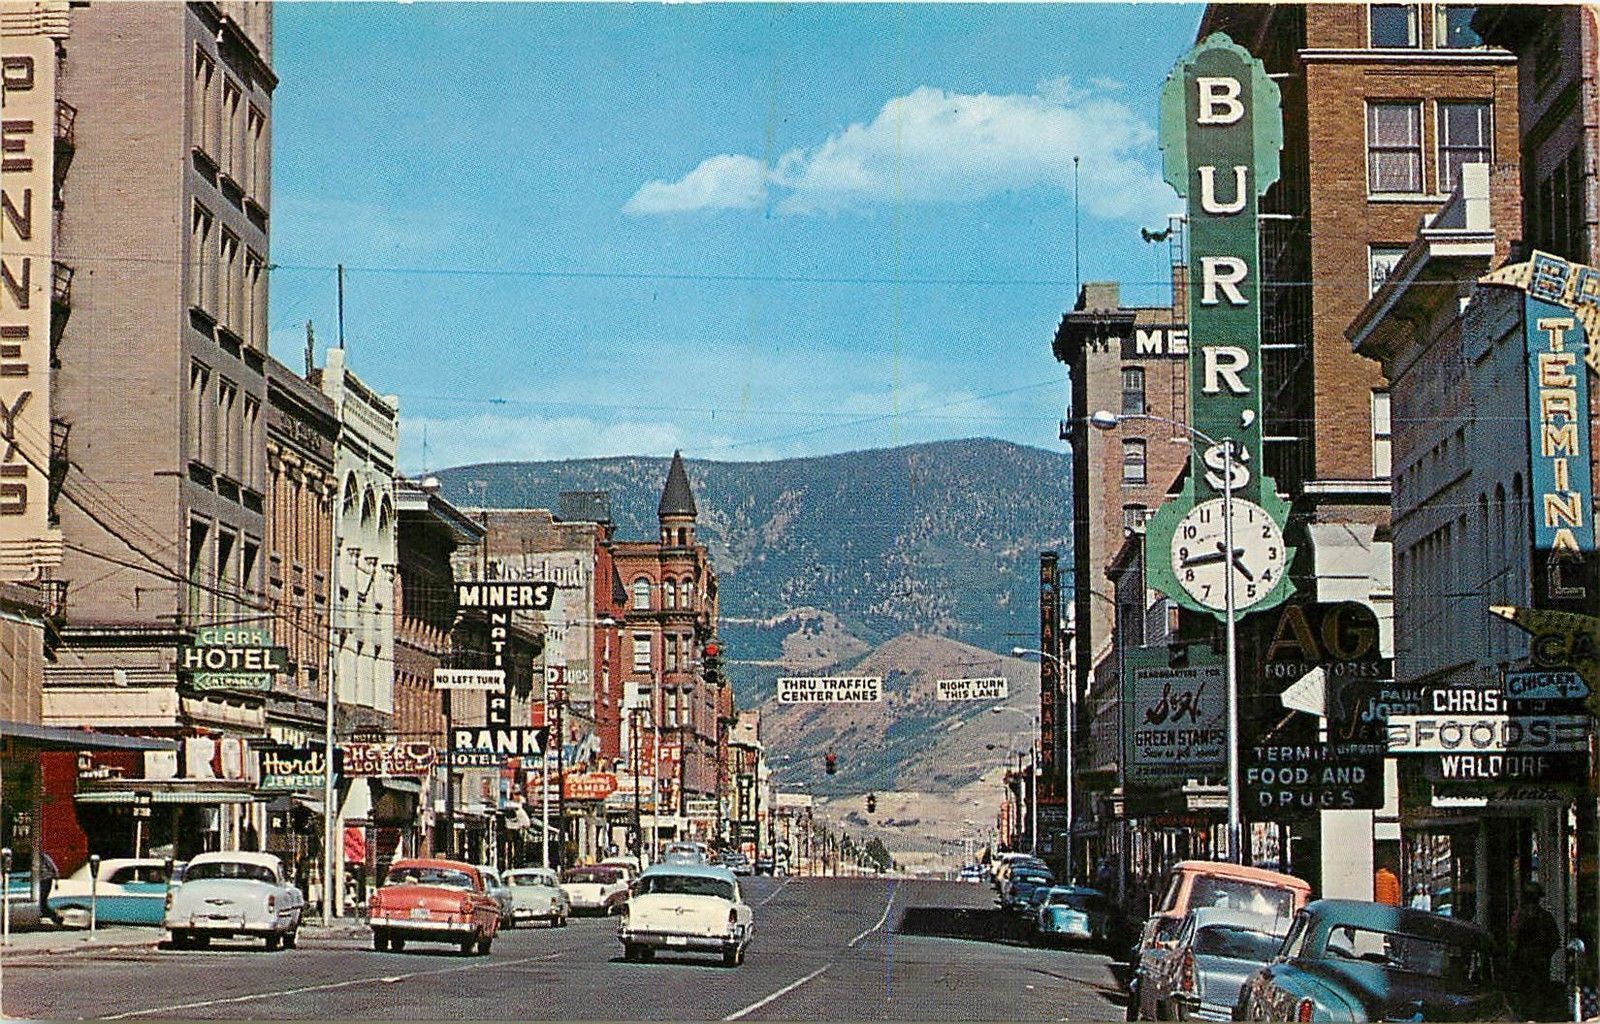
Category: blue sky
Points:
column 746, row 231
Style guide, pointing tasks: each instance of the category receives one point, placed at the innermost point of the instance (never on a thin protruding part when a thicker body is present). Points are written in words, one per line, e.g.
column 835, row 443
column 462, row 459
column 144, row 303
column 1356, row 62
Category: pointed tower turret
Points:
column 677, row 510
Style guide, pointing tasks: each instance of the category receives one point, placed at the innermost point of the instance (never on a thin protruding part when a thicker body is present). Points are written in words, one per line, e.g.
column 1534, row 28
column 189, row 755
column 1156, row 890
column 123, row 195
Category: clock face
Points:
column 1201, row 563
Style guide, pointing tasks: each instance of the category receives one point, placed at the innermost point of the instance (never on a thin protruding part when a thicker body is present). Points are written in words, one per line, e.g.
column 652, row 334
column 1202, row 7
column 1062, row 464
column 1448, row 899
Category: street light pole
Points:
column 1072, row 703
column 1104, row 420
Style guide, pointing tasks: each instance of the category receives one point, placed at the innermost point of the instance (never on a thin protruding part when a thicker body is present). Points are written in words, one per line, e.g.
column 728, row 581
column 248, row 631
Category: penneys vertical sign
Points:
column 1221, row 132
column 27, row 129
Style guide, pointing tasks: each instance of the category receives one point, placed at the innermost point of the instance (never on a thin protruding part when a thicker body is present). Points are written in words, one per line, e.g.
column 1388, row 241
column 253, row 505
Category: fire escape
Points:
column 61, row 275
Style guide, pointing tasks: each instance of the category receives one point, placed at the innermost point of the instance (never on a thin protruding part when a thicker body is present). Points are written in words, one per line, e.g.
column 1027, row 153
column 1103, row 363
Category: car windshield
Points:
column 1454, row 962
column 1237, row 943
column 448, row 878
column 1237, row 894
column 684, row 885
column 594, row 875
column 530, row 878
column 231, row 869
column 1078, row 901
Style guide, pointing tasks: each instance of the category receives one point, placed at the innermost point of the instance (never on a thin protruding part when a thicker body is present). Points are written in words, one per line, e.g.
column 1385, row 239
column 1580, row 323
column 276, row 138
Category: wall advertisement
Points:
column 1174, row 718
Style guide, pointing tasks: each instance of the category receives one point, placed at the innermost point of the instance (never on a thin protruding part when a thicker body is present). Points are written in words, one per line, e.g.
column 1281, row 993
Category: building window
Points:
column 196, row 592
column 1394, row 147
column 686, row 594
column 1452, row 28
column 1133, row 464
column 230, row 284
column 1132, row 390
column 252, row 314
column 669, row 594
column 226, row 578
column 1381, row 261
column 1393, row 26
column 641, row 593
column 199, row 412
column 1133, row 517
column 232, row 141
column 249, row 560
column 201, row 270
column 1463, row 139
column 1381, row 464
column 253, row 444
column 200, row 102
column 641, row 652
column 227, row 449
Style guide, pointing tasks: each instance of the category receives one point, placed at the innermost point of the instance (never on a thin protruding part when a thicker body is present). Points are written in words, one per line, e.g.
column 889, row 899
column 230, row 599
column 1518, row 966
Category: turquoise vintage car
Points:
column 1350, row 960
column 1075, row 913
column 132, row 890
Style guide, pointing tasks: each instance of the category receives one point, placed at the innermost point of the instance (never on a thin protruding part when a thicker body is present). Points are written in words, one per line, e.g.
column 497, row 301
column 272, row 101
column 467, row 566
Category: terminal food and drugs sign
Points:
column 1175, row 719
column 830, row 689
column 230, row 658
column 1296, row 780
column 988, row 688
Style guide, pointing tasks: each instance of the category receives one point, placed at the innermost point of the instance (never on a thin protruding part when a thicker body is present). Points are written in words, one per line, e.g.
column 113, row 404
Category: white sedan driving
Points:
column 228, row 894
column 687, row 907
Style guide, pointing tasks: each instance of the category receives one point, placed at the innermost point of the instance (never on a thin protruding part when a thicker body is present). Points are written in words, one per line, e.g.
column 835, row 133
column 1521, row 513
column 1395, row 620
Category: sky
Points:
column 744, row 231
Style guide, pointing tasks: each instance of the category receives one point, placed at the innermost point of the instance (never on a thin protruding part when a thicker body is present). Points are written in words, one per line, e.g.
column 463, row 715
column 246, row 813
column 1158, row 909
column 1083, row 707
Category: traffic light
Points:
column 711, row 663
column 830, row 763
column 872, row 803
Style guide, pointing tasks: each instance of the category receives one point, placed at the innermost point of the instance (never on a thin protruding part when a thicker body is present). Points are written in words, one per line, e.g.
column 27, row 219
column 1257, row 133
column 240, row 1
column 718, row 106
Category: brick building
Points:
column 671, row 616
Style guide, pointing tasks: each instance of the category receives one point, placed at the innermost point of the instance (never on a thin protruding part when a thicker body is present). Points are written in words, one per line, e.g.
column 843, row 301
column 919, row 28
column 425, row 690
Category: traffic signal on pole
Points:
column 830, row 764
column 872, row 803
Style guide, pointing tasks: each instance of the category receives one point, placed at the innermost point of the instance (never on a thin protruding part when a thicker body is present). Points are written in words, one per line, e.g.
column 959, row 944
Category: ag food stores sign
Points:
column 1221, row 131
column 1175, row 719
column 500, row 599
column 232, row 659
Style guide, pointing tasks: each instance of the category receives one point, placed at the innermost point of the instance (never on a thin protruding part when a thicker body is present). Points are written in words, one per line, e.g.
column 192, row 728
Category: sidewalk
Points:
column 67, row 940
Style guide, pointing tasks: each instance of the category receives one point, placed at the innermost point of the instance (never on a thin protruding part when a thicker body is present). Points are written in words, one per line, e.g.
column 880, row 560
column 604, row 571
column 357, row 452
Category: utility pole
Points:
column 330, row 889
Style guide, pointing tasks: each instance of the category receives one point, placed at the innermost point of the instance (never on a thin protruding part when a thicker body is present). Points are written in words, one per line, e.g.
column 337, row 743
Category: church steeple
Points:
column 677, row 510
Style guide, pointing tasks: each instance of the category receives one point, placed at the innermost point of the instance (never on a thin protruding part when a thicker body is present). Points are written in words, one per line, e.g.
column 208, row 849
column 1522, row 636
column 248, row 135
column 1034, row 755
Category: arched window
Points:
column 683, row 536
column 641, row 593
column 687, row 594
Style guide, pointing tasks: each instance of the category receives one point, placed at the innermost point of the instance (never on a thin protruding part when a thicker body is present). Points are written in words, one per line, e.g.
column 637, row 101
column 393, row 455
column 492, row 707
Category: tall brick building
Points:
column 671, row 616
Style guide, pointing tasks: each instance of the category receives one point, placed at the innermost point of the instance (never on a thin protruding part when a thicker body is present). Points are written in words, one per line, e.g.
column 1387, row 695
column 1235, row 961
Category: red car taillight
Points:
column 1303, row 1011
column 1186, row 973
column 733, row 917
column 272, row 903
column 466, row 906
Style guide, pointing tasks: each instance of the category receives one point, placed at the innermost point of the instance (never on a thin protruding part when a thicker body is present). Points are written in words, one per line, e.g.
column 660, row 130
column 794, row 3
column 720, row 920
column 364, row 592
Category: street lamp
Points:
column 1033, row 775
column 1072, row 702
column 1106, row 420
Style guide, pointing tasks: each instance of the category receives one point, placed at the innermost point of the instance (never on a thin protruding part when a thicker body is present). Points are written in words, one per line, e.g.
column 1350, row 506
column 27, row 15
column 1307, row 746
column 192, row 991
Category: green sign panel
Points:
column 232, row 658
column 1221, row 131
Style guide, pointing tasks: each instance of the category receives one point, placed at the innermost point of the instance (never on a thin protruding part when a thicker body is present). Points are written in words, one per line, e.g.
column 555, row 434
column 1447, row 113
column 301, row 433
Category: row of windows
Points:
column 228, row 129
column 679, row 653
column 227, row 281
column 674, row 594
column 223, row 429
column 223, row 571
column 1463, row 134
column 1399, row 26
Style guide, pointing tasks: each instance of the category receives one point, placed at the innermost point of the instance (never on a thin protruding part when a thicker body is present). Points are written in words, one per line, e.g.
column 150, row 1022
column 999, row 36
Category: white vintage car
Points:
column 688, row 907
column 228, row 894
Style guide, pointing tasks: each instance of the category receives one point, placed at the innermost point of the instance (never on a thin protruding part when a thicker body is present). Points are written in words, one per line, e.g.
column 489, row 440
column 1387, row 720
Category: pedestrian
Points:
column 1386, row 886
column 48, row 873
column 1534, row 940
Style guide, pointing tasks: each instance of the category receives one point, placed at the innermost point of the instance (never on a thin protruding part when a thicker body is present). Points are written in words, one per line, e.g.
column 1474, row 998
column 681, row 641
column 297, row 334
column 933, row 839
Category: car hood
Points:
column 1388, row 994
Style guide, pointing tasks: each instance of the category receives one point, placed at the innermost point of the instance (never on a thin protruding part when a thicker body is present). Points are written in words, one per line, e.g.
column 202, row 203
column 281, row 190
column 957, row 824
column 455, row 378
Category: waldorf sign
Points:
column 830, row 689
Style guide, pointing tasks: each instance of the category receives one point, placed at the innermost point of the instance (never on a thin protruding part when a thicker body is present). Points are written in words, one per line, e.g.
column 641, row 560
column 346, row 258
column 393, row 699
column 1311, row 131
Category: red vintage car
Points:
column 433, row 900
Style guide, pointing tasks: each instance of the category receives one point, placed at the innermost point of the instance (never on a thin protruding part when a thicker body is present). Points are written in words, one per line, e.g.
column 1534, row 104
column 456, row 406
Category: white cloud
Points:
column 933, row 146
column 724, row 182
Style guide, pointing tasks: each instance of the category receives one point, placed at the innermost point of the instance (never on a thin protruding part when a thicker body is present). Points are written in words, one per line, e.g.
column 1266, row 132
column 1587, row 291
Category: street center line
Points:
column 785, row 990
column 771, row 894
column 881, row 920
column 383, row 979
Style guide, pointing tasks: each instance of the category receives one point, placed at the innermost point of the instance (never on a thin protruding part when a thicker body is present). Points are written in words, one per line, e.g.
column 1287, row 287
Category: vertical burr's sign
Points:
column 27, row 169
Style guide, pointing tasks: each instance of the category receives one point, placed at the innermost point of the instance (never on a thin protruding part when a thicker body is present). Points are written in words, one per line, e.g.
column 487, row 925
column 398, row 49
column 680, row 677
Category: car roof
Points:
column 1205, row 917
column 266, row 860
column 694, row 870
column 1380, row 916
column 434, row 862
column 1241, row 871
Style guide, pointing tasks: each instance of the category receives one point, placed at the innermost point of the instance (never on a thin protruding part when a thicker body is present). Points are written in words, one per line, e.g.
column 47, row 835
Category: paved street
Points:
column 825, row 949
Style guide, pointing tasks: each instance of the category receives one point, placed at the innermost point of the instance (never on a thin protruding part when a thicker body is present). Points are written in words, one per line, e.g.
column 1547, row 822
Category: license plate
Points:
column 677, row 940
column 419, row 914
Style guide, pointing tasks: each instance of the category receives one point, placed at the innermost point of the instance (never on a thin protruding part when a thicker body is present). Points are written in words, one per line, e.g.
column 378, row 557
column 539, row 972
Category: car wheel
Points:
column 647, row 953
column 202, row 941
column 730, row 957
column 397, row 944
column 380, row 941
column 630, row 952
column 274, row 941
column 484, row 946
column 508, row 922
column 291, row 938
column 180, row 940
column 1133, row 1003
column 466, row 946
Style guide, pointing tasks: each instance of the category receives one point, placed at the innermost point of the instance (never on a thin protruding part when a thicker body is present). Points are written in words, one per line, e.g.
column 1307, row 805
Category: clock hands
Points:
column 1221, row 555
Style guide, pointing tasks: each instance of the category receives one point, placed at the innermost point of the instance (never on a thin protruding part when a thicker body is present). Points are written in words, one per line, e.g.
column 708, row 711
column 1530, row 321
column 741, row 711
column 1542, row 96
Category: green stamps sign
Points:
column 1221, row 130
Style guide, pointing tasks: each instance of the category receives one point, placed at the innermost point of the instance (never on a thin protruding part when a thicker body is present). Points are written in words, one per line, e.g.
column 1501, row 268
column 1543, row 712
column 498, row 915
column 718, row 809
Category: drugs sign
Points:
column 1288, row 780
column 992, row 688
column 830, row 689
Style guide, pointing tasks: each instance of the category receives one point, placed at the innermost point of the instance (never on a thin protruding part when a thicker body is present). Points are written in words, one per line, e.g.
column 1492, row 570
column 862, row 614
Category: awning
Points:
column 167, row 796
column 80, row 739
column 401, row 785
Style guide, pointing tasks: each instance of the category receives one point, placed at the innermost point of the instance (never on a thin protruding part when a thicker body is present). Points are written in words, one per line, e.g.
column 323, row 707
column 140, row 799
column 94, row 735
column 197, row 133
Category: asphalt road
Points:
column 825, row 949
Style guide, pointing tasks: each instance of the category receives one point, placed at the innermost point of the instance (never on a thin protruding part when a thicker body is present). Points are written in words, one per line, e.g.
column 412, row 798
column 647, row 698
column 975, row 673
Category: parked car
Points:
column 1214, row 952
column 971, row 873
column 595, row 888
column 736, row 861
column 502, row 895
column 633, row 865
column 1204, row 883
column 132, row 890
column 1355, row 961
column 1074, row 913
column 688, row 907
column 765, row 864
column 228, row 894
column 686, row 852
column 1010, row 863
column 536, row 895
column 1020, row 883
column 432, row 900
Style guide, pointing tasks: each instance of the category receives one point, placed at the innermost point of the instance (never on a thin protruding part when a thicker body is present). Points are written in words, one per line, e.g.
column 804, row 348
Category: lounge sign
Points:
column 230, row 658
column 369, row 759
